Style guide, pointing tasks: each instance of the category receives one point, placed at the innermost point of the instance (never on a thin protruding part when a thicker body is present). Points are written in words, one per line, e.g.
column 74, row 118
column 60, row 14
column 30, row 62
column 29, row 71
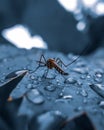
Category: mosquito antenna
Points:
column 85, row 49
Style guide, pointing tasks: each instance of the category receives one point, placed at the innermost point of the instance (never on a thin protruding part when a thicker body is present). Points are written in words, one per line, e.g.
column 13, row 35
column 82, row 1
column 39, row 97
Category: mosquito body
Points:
column 51, row 64
column 55, row 63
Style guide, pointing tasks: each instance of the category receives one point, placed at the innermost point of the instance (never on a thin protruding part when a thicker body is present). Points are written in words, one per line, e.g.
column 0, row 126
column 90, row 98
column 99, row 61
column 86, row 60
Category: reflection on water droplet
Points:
column 61, row 95
column 39, row 79
column 95, row 111
column 101, row 104
column 32, row 77
column 88, row 76
column 29, row 86
column 83, row 77
column 85, row 101
column 78, row 92
column 35, row 97
column 81, row 70
column 38, row 100
column 78, row 109
column 98, row 74
column 70, row 81
column 67, row 97
column 81, row 64
column 98, row 77
column 84, row 93
column 79, row 83
column 5, row 60
column 50, row 88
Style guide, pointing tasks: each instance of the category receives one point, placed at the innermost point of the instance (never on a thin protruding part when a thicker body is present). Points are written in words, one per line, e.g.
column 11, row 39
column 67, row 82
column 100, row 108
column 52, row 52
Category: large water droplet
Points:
column 35, row 97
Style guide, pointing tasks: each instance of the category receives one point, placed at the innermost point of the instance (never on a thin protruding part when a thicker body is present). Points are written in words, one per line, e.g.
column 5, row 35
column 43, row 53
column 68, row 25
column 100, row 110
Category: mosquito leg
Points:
column 40, row 62
column 43, row 58
column 59, row 61
column 45, row 74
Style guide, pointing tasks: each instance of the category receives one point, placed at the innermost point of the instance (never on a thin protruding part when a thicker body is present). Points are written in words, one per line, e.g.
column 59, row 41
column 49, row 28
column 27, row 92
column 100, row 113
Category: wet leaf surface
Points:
column 70, row 95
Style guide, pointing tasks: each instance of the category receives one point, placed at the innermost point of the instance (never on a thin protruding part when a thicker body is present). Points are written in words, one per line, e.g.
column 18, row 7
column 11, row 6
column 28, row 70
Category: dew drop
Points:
column 85, row 101
column 77, row 92
column 79, row 83
column 50, row 88
column 77, row 109
column 98, row 77
column 84, row 93
column 81, row 70
column 101, row 104
column 29, row 86
column 61, row 95
column 32, row 77
column 70, row 81
column 83, row 77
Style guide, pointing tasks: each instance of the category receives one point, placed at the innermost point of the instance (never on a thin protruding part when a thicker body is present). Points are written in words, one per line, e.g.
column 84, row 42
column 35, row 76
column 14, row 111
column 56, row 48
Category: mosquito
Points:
column 55, row 63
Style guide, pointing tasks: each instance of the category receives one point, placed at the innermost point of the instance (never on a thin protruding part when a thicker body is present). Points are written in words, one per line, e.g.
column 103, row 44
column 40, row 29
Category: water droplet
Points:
column 61, row 95
column 35, row 82
column 79, row 83
column 5, row 60
column 98, row 88
column 9, row 68
column 85, row 101
column 32, row 77
column 95, row 111
column 78, row 92
column 98, row 77
column 39, row 79
column 35, row 97
column 81, row 64
column 38, row 100
column 67, row 97
column 78, row 109
column 29, row 86
column 81, row 70
column 88, row 76
column 84, row 93
column 98, row 74
column 70, row 81
column 50, row 88
column 101, row 104
column 83, row 77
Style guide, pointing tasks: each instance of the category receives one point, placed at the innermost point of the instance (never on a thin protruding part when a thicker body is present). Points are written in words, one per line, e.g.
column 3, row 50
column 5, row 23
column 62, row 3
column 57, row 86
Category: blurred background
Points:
column 59, row 25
